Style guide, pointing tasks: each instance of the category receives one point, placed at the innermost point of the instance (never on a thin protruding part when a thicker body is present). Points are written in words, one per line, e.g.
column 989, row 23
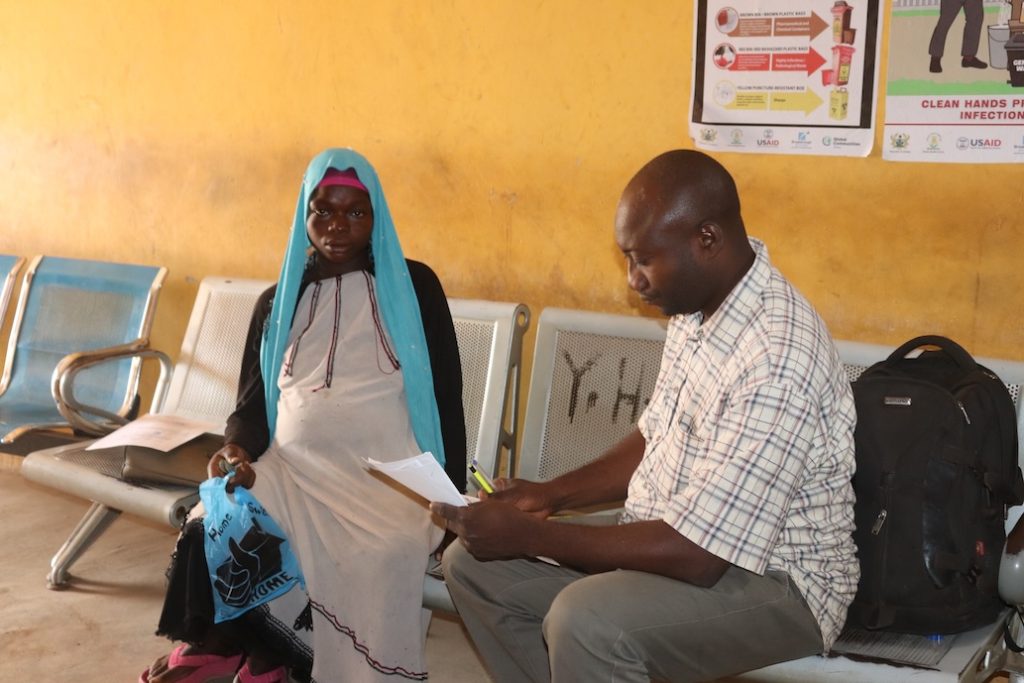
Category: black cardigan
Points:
column 247, row 426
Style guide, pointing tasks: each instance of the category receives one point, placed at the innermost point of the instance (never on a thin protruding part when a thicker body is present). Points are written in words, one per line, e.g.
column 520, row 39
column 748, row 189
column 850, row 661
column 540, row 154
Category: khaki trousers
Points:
column 532, row 621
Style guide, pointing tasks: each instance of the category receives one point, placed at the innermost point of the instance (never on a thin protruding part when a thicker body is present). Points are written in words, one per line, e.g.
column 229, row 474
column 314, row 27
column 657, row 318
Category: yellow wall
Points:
column 176, row 134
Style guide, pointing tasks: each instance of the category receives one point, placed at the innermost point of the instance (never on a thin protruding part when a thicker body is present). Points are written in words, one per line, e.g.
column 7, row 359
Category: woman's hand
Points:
column 232, row 457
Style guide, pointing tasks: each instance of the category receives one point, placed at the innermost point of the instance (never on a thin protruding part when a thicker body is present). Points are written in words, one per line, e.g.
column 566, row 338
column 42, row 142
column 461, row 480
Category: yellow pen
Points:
column 481, row 479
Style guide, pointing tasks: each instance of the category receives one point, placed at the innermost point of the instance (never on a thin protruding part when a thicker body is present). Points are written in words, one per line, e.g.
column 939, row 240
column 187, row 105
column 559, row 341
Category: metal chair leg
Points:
column 88, row 529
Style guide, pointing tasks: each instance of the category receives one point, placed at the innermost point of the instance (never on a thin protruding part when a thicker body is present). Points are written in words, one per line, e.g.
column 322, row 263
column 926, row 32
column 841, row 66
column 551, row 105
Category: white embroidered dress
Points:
column 362, row 544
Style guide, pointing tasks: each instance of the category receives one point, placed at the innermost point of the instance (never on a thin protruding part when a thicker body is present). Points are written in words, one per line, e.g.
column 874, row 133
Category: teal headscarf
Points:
column 400, row 312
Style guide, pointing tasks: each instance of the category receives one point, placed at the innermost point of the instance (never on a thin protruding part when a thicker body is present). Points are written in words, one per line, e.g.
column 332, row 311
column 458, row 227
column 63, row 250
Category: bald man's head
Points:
column 690, row 186
column 679, row 226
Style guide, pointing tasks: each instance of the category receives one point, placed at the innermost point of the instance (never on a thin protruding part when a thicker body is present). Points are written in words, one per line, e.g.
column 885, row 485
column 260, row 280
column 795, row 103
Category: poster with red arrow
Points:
column 783, row 77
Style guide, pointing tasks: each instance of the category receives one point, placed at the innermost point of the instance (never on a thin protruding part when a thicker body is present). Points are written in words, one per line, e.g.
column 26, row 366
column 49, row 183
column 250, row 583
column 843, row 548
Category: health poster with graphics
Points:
column 955, row 85
column 784, row 77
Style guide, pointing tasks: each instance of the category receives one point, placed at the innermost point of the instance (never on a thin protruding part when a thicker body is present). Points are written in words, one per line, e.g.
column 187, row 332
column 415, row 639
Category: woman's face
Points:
column 339, row 226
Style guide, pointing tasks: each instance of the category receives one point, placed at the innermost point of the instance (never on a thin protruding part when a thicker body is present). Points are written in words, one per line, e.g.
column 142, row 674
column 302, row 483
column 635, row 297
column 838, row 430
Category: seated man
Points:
column 735, row 549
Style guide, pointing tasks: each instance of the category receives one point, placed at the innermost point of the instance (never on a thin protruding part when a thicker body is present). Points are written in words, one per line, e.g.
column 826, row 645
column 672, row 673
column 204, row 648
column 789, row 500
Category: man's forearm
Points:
column 604, row 480
column 653, row 547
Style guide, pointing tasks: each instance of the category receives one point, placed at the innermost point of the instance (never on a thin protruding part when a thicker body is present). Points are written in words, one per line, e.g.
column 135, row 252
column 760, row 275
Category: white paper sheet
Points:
column 160, row 432
column 422, row 474
column 425, row 476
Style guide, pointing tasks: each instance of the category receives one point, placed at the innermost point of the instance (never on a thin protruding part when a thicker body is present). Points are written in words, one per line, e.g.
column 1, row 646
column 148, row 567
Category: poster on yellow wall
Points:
column 778, row 77
column 955, row 86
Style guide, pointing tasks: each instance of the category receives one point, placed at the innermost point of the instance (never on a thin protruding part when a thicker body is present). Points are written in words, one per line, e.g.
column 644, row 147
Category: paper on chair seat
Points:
column 422, row 474
column 160, row 432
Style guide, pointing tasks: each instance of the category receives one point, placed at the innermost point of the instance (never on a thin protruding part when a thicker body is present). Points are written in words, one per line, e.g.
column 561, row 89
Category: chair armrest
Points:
column 63, row 379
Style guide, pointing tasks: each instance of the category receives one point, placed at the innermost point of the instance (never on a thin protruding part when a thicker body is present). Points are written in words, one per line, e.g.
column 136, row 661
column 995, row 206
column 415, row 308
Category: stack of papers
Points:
column 422, row 474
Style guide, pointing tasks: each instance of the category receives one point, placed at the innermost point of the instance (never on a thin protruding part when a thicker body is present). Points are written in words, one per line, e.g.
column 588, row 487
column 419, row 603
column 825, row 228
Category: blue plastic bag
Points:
column 249, row 558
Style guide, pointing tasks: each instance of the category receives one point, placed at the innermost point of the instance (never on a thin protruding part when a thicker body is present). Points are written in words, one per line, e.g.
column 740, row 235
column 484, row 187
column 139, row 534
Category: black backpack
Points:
column 936, row 448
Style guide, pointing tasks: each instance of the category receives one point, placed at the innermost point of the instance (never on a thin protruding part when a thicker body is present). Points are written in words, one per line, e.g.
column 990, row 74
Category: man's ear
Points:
column 710, row 237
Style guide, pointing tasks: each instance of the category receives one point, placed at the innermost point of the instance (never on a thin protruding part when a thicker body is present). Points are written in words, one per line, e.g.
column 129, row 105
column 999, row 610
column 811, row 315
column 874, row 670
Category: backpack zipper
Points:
column 876, row 528
column 963, row 410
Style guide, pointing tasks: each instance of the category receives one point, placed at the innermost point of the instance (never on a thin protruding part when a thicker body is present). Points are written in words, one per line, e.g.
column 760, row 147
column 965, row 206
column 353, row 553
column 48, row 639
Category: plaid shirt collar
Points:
column 722, row 330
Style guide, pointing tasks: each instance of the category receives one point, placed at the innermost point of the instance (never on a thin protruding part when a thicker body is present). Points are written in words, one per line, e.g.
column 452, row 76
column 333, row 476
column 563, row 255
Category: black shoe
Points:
column 936, row 66
column 973, row 63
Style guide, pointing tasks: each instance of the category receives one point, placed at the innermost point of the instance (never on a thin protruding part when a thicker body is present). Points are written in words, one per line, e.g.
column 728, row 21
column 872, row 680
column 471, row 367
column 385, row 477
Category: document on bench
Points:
column 422, row 474
column 159, row 432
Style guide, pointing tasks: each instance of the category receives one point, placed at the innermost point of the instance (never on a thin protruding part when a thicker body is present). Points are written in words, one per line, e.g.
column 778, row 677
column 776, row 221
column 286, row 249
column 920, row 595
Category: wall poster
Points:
column 955, row 86
column 774, row 76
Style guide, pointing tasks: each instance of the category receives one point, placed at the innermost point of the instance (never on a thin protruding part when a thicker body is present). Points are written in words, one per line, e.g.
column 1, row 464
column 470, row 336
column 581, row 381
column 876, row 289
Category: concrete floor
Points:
column 101, row 630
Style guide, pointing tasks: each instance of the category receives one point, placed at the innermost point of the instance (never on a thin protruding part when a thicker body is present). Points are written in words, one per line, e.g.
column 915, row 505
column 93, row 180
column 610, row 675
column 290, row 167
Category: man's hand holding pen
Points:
column 501, row 525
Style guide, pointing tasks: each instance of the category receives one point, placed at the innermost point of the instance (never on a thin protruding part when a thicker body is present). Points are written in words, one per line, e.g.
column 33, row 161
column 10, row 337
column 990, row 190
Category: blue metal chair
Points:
column 67, row 306
column 202, row 385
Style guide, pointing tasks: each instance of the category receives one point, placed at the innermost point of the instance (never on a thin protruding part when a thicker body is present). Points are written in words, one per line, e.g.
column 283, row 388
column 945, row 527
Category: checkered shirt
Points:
column 750, row 442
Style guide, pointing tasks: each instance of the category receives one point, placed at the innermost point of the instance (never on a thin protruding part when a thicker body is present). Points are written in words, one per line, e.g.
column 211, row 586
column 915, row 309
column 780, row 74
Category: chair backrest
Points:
column 490, row 338
column 10, row 266
column 593, row 373
column 592, row 376
column 68, row 305
column 204, row 384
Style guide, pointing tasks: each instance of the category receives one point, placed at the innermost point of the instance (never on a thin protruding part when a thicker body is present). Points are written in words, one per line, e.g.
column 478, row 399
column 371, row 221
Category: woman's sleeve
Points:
column 445, row 366
column 247, row 426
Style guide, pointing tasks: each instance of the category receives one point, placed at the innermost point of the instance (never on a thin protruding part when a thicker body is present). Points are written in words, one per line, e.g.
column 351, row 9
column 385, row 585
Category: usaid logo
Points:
column 978, row 143
column 767, row 139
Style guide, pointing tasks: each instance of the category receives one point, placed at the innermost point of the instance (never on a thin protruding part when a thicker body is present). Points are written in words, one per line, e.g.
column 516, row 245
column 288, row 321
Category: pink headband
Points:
column 347, row 178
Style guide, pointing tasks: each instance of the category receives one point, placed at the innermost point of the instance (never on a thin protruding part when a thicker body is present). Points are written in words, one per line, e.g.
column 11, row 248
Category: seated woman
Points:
column 361, row 345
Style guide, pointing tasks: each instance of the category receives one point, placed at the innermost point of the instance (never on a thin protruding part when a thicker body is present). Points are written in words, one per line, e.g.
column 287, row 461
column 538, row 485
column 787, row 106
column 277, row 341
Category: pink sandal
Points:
column 208, row 668
column 278, row 675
